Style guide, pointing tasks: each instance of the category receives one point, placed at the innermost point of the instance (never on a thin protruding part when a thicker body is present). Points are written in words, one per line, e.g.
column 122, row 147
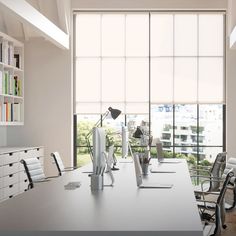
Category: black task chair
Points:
column 231, row 188
column 215, row 171
column 214, row 211
column 34, row 171
column 60, row 166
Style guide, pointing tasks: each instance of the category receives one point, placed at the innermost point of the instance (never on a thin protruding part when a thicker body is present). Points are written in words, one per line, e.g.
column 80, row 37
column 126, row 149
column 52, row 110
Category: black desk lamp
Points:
column 114, row 114
column 139, row 134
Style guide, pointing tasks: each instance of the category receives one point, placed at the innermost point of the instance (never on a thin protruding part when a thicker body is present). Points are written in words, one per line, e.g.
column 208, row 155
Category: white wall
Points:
column 231, row 15
column 231, row 85
column 3, row 136
column 231, row 103
column 48, row 101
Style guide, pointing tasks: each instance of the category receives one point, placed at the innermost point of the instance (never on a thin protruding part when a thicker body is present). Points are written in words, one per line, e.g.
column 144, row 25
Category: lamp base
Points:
column 114, row 167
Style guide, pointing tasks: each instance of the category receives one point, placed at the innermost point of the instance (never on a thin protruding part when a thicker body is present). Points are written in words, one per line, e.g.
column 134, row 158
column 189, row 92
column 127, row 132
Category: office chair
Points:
column 59, row 164
column 34, row 171
column 214, row 211
column 230, row 164
column 215, row 171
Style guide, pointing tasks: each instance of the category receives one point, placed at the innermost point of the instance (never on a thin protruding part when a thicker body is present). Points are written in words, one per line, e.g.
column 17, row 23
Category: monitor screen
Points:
column 125, row 142
column 99, row 149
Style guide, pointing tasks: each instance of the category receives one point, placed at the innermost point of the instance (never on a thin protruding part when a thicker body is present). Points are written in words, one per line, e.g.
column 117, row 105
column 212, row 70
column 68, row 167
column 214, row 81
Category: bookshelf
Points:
column 11, row 81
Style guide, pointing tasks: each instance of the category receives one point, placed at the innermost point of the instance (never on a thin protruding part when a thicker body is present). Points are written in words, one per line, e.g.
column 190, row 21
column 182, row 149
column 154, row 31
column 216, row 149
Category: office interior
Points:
column 49, row 68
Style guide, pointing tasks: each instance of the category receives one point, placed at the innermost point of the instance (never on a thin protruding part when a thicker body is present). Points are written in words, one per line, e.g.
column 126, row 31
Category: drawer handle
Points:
column 10, row 154
column 37, row 149
column 26, row 151
column 11, row 196
column 11, row 175
column 11, row 164
column 10, row 186
column 25, row 190
column 26, row 180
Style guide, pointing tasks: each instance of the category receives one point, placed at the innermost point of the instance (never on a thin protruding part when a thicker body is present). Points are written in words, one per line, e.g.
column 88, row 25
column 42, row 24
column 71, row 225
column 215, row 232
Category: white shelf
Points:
column 10, row 123
column 11, row 96
column 11, row 67
column 11, row 81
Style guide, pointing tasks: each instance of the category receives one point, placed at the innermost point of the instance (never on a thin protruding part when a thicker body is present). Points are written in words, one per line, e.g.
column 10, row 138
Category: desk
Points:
column 123, row 209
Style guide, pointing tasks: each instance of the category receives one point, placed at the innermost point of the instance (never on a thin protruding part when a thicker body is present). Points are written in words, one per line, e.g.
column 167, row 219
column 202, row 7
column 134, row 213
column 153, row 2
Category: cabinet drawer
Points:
column 41, row 159
column 1, row 183
column 1, row 171
column 10, row 179
column 23, row 186
column 11, row 191
column 11, row 169
column 10, row 158
column 28, row 154
column 39, row 152
column 22, row 176
column 1, row 194
column 2, row 159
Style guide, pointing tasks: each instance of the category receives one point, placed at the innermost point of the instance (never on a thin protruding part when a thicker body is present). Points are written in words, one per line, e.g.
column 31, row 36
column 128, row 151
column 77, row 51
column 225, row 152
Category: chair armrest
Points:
column 71, row 168
column 201, row 170
column 201, row 166
column 51, row 177
column 206, row 177
column 41, row 181
column 208, row 192
column 205, row 203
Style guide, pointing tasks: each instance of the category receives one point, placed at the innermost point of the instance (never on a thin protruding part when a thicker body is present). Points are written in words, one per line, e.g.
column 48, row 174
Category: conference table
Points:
column 123, row 209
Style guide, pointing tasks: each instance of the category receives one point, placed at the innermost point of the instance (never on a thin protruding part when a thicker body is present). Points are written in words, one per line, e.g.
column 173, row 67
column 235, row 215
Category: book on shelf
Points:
column 17, row 86
column 6, row 81
column 10, row 54
column 5, row 51
column 3, row 112
column 0, row 49
column 1, row 82
column 16, row 112
column 17, row 60
column 10, row 112
column 0, row 112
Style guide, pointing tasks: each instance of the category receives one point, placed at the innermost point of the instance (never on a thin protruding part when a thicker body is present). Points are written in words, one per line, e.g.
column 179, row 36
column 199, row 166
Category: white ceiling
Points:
column 52, row 9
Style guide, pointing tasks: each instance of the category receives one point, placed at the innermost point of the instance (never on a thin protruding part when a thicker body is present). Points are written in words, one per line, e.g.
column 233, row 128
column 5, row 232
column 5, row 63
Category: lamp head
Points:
column 138, row 133
column 114, row 112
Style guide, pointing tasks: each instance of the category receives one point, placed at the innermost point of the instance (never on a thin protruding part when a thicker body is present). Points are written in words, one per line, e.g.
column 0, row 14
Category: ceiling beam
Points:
column 28, row 15
column 232, row 39
column 62, row 15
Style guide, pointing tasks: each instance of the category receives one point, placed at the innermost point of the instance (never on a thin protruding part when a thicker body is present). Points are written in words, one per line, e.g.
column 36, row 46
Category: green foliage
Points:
column 84, row 127
column 205, row 163
column 191, row 160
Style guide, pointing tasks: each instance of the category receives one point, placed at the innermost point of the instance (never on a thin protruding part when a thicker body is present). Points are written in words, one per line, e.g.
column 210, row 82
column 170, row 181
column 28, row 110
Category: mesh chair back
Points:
column 230, row 164
column 217, row 170
column 228, row 178
column 33, row 169
column 58, row 161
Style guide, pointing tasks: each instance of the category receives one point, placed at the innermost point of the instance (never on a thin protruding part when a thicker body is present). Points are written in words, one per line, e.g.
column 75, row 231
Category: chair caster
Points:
column 224, row 226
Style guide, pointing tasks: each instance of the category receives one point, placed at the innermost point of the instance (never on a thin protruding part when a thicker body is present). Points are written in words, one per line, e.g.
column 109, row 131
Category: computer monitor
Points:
column 125, row 142
column 99, row 149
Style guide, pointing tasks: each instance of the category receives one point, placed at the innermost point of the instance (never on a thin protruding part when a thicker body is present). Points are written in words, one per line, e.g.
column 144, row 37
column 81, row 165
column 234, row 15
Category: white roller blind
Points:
column 128, row 60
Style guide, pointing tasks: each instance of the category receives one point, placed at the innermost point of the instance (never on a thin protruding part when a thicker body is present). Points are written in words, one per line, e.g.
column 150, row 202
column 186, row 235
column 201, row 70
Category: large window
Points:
column 164, row 70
